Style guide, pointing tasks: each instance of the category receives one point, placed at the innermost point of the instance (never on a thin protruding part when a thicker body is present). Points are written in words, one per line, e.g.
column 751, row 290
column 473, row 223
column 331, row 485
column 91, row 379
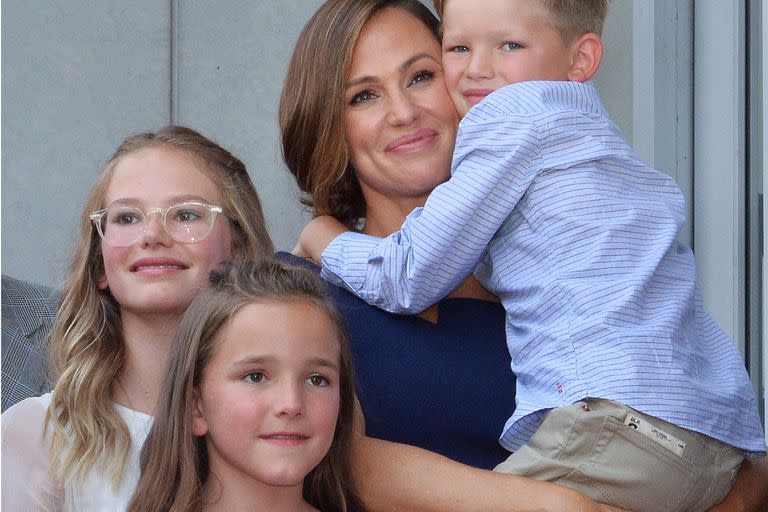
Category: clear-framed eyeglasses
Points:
column 187, row 223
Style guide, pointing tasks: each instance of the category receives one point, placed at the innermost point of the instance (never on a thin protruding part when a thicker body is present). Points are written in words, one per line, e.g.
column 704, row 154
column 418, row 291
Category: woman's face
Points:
column 158, row 274
column 269, row 397
column 399, row 120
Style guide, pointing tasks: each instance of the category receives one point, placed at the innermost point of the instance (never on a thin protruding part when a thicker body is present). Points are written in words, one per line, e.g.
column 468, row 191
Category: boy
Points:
column 620, row 371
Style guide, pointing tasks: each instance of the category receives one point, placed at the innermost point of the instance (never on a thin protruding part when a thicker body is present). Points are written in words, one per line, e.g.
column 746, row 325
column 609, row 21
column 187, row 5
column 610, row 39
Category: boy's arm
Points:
column 439, row 245
column 750, row 491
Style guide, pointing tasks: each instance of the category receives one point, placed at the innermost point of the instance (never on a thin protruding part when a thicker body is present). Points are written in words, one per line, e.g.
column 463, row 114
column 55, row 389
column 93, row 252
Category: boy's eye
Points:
column 421, row 76
column 255, row 377
column 318, row 380
column 458, row 49
column 510, row 46
column 362, row 97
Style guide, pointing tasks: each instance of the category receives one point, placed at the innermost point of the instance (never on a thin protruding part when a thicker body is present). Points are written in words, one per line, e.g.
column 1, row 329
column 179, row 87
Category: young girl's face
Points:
column 158, row 274
column 269, row 397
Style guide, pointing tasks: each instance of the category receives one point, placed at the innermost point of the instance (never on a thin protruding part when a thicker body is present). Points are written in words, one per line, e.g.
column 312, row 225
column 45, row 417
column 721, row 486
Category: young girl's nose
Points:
column 289, row 400
column 154, row 231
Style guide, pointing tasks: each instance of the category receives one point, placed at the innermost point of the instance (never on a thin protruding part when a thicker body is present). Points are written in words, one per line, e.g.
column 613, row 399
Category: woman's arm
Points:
column 391, row 476
column 750, row 491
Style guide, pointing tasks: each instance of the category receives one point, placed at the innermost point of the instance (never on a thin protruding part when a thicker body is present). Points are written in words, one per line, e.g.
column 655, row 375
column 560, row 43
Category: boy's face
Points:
column 491, row 43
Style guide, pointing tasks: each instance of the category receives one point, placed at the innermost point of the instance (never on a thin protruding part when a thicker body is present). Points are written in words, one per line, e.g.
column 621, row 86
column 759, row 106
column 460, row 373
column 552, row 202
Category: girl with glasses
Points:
column 77, row 447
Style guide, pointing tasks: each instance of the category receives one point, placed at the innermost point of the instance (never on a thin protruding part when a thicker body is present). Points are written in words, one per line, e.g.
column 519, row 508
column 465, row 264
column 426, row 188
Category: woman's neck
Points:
column 147, row 347
column 238, row 492
column 384, row 217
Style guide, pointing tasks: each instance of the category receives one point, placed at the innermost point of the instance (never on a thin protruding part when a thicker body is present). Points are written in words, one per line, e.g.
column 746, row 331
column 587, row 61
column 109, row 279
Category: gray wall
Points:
column 80, row 75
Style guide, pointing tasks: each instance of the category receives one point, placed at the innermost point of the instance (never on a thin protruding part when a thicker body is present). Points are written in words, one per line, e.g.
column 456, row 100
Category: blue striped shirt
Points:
column 558, row 217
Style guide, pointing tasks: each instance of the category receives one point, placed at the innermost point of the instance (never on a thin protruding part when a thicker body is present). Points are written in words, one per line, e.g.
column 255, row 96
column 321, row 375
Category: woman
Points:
column 132, row 276
column 367, row 145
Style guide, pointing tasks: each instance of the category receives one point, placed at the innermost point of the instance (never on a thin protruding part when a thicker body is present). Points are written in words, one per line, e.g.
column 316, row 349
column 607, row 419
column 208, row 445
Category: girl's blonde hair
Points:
column 87, row 352
column 174, row 462
column 312, row 104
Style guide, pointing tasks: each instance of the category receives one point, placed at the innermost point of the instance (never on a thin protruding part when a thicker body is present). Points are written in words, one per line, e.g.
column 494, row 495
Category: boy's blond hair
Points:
column 573, row 18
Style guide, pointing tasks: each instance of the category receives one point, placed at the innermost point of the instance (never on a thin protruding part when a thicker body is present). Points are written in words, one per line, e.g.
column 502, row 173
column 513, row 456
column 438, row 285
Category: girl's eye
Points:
column 318, row 380
column 510, row 46
column 422, row 76
column 125, row 217
column 186, row 216
column 362, row 97
column 458, row 49
column 255, row 377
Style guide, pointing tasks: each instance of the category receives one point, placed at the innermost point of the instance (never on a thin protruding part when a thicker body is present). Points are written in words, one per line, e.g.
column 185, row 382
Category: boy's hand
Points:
column 317, row 234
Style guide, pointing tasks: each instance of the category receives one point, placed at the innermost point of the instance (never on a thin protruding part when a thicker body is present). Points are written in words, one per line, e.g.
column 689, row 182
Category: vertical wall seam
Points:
column 174, row 62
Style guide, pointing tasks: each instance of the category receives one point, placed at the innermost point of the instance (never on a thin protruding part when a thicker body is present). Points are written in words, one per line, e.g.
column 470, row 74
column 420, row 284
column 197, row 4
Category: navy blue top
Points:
column 446, row 387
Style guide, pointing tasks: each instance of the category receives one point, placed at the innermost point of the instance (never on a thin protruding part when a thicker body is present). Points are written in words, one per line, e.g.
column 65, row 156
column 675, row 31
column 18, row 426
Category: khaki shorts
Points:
column 620, row 457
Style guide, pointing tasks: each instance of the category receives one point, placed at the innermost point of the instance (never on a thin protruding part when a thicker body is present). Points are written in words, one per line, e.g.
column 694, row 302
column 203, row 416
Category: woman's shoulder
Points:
column 298, row 261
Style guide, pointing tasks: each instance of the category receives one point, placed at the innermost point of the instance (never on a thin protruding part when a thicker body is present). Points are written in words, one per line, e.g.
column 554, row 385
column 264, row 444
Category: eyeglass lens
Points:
column 122, row 226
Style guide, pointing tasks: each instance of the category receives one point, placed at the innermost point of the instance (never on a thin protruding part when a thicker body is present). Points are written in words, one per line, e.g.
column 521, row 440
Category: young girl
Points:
column 257, row 407
column 167, row 209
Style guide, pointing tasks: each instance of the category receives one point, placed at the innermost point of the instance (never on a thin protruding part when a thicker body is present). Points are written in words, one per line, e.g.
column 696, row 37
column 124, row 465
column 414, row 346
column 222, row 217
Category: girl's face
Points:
column 158, row 275
column 399, row 120
column 269, row 397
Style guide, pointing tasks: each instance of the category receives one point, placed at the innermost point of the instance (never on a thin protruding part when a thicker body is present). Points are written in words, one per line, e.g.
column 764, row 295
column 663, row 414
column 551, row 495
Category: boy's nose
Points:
column 480, row 66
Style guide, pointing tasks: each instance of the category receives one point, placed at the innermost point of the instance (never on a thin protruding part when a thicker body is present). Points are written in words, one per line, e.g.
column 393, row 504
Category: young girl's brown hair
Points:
column 174, row 462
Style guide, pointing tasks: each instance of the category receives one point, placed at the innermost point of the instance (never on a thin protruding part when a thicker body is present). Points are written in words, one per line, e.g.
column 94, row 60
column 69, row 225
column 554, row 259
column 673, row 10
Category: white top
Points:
column 26, row 482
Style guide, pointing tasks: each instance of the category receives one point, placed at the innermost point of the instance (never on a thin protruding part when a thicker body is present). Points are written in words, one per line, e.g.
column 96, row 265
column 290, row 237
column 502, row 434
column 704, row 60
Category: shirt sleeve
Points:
column 439, row 245
column 26, row 480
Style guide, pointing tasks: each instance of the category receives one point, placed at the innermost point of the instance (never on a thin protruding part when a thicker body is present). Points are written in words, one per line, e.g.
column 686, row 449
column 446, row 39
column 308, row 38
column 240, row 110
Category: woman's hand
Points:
column 750, row 491
column 316, row 235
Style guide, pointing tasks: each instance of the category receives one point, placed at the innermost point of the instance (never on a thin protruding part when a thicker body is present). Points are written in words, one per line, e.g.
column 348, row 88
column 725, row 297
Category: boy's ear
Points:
column 585, row 58
column 199, row 425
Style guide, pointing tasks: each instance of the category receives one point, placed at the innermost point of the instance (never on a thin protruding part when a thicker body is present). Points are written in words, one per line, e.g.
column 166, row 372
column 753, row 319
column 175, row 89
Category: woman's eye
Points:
column 255, row 377
column 510, row 46
column 362, row 97
column 422, row 76
column 318, row 380
column 458, row 49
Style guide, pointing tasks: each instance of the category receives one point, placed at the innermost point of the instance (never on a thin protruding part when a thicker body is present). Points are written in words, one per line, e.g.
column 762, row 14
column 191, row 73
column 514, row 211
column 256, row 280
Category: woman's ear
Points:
column 199, row 425
column 102, row 283
column 586, row 56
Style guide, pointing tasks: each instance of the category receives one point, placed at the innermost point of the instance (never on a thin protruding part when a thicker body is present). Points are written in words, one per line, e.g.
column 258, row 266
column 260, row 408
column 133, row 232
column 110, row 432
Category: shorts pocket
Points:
column 628, row 470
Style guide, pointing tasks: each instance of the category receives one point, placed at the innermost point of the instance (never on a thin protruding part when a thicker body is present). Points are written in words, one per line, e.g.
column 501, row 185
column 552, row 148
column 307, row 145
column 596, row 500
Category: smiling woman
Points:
column 77, row 447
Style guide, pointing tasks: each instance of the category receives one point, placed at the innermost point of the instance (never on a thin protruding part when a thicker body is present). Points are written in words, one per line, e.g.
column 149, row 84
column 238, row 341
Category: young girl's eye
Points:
column 125, row 216
column 421, row 76
column 255, row 377
column 510, row 46
column 362, row 97
column 318, row 380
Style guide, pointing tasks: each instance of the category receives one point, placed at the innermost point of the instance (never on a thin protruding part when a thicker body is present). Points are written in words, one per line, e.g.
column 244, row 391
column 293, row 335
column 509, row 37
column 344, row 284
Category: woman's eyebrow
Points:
column 404, row 66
